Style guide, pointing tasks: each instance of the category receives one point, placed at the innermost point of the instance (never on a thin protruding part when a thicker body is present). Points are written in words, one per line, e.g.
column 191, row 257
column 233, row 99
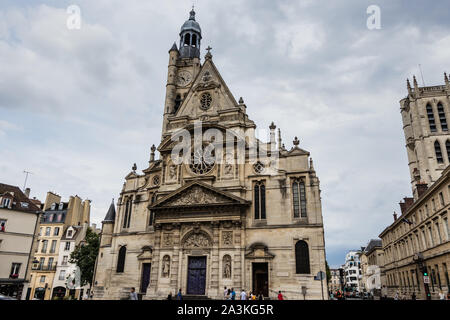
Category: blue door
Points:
column 196, row 277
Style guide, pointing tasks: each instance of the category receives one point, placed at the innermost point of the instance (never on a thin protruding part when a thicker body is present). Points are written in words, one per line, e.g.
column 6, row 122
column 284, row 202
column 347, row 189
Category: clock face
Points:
column 184, row 78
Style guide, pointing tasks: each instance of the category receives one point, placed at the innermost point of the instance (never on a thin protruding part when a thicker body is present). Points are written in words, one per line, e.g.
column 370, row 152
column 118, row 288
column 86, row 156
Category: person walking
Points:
column 169, row 297
column 179, row 295
column 243, row 295
column 280, row 296
column 441, row 295
column 260, row 296
column 225, row 293
column 133, row 294
column 396, row 296
column 233, row 294
column 413, row 296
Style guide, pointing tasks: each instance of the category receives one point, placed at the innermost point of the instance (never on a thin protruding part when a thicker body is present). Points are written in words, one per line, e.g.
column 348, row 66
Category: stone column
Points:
column 237, row 260
column 214, row 283
column 174, row 269
column 154, row 274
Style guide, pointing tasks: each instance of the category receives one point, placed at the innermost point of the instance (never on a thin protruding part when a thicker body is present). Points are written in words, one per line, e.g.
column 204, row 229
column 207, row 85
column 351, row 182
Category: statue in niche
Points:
column 166, row 267
column 172, row 172
column 227, row 267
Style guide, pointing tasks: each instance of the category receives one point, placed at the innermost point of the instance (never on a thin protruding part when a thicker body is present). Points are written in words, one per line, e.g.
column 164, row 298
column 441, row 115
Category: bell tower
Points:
column 184, row 65
column 190, row 37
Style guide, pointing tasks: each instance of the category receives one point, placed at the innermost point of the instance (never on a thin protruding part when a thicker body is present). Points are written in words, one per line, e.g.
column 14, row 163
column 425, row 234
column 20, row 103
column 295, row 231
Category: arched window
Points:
column 177, row 103
column 299, row 198
column 442, row 118
column 301, row 258
column 194, row 40
column 431, row 120
column 187, row 39
column 437, row 149
column 260, row 200
column 447, row 146
column 127, row 215
column 121, row 259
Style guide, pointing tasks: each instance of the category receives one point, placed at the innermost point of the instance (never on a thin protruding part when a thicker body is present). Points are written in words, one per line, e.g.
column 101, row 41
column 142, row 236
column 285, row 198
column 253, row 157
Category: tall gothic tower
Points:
column 424, row 114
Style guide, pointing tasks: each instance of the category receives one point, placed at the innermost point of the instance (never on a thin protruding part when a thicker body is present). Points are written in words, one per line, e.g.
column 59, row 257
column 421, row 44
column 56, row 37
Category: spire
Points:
column 111, row 214
column 272, row 128
column 174, row 47
column 192, row 14
column 408, row 85
column 152, row 153
column 416, row 86
column 190, row 37
column 279, row 139
column 311, row 165
column 445, row 78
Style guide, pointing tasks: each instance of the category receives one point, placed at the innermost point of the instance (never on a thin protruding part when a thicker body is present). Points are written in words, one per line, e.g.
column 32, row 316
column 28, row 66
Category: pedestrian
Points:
column 396, row 296
column 243, row 295
column 225, row 292
column 179, row 295
column 169, row 297
column 233, row 294
column 133, row 294
column 280, row 296
column 260, row 296
column 441, row 295
column 413, row 296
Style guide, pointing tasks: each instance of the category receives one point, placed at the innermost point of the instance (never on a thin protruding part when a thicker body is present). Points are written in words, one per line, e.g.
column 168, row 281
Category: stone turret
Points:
column 108, row 226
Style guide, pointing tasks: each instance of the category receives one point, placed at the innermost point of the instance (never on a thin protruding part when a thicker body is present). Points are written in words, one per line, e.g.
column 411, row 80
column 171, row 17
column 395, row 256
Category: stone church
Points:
column 244, row 216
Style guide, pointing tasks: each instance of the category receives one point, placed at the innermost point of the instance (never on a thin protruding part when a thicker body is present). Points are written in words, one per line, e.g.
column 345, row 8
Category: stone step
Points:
column 195, row 297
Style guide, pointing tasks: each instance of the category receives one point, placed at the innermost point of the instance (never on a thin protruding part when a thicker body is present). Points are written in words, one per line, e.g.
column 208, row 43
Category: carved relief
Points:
column 172, row 172
column 227, row 238
column 226, row 266
column 197, row 240
column 167, row 239
column 197, row 195
column 166, row 267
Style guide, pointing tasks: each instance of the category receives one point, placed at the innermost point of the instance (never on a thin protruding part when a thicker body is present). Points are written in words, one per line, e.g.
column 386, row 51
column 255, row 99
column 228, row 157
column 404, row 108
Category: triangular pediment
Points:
column 198, row 194
column 209, row 81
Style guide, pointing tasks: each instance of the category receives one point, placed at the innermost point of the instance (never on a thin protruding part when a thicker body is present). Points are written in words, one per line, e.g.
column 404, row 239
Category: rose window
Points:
column 259, row 167
column 202, row 161
column 205, row 101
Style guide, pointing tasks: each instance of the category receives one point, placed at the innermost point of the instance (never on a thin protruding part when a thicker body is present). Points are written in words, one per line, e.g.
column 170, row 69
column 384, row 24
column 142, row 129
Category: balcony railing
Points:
column 45, row 267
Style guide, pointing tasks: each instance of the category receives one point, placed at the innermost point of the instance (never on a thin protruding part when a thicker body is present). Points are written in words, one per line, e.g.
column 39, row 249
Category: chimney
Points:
column 406, row 204
column 421, row 189
column 27, row 192
column 395, row 216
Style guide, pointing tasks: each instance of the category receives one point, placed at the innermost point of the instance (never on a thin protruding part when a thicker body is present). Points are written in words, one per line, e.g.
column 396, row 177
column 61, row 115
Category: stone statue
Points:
column 166, row 267
column 172, row 172
column 227, row 267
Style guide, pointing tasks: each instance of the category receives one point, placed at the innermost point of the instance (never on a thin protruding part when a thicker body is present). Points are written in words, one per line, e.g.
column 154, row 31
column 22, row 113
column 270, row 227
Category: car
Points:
column 3, row 297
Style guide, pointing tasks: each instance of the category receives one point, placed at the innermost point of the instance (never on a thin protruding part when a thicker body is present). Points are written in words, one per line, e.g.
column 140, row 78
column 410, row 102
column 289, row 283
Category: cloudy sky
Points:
column 79, row 107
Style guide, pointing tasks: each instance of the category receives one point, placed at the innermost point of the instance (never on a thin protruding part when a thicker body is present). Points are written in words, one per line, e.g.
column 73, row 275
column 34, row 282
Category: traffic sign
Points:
column 426, row 279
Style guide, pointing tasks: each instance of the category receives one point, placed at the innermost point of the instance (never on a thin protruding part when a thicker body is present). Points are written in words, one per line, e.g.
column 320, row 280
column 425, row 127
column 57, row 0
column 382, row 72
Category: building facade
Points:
column 352, row 270
column 416, row 245
column 217, row 218
column 57, row 217
column 19, row 218
column 66, row 282
column 371, row 259
column 335, row 282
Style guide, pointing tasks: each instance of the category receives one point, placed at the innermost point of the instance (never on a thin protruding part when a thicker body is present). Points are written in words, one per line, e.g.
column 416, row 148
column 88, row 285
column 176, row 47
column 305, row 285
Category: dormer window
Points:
column 61, row 206
column 6, row 203
column 53, row 207
column 69, row 233
column 24, row 204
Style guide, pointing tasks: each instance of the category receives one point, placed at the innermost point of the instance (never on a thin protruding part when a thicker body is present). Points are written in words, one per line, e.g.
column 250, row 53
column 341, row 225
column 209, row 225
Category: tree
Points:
column 85, row 254
column 328, row 272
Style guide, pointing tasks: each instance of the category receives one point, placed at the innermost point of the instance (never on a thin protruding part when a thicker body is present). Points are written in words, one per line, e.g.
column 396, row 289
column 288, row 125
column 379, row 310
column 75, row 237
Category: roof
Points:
column 191, row 24
column 18, row 199
column 76, row 230
column 111, row 214
column 373, row 243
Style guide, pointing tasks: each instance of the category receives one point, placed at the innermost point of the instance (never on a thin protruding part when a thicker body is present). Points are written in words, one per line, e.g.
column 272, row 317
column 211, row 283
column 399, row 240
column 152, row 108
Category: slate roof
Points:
column 18, row 198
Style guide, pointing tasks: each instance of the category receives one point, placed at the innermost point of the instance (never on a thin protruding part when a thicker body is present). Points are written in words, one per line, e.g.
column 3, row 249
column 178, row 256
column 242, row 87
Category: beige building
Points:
column 57, row 216
column 371, row 259
column 335, row 281
column 219, row 219
column 417, row 242
column 19, row 218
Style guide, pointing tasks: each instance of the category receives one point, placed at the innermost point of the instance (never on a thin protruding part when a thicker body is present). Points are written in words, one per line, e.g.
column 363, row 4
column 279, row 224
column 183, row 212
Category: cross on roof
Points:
column 209, row 49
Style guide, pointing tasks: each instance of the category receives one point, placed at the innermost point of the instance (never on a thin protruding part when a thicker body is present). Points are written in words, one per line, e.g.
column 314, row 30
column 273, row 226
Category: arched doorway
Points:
column 39, row 293
column 59, row 292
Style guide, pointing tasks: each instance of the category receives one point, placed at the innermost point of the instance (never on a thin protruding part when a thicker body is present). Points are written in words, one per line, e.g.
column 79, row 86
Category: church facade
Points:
column 219, row 208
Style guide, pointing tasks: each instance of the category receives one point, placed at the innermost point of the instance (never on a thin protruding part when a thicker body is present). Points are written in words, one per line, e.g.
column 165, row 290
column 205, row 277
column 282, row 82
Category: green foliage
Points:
column 85, row 254
column 328, row 272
